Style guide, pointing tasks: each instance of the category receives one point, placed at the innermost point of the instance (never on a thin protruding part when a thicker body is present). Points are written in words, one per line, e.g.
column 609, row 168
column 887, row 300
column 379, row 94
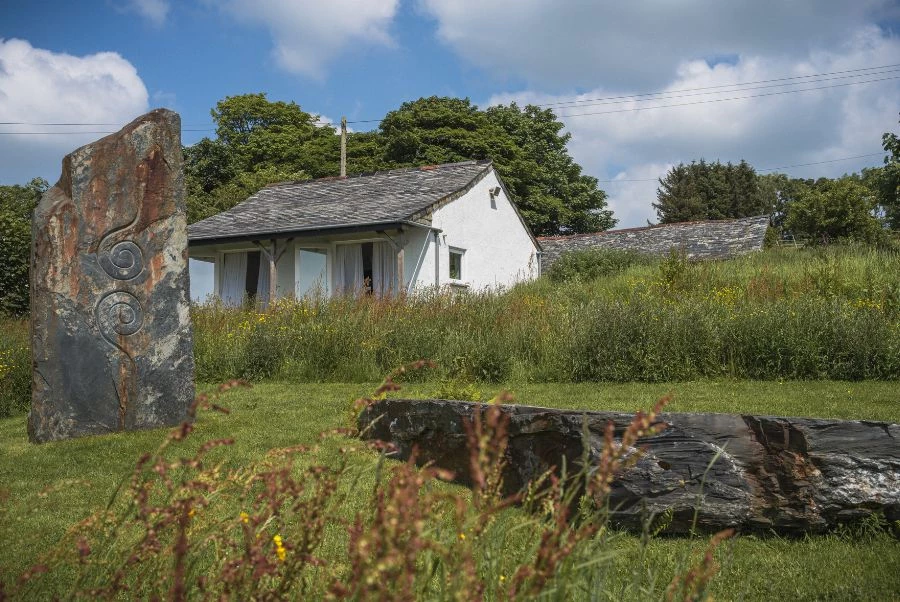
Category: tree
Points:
column 887, row 182
column 834, row 210
column 262, row 134
column 259, row 142
column 16, row 206
column 526, row 145
column 704, row 190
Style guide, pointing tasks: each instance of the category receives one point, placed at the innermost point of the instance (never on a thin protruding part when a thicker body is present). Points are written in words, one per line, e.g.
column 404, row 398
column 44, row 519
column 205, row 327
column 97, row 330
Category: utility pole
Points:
column 343, row 146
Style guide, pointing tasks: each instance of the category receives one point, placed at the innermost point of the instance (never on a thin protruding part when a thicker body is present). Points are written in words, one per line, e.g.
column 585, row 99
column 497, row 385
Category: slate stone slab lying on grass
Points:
column 754, row 473
column 111, row 336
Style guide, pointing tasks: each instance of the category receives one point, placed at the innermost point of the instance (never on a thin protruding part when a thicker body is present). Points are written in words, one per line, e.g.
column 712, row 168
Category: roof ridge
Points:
column 381, row 172
column 654, row 226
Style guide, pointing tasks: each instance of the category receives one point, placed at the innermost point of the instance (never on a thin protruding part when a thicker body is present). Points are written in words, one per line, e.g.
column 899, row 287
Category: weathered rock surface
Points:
column 790, row 475
column 111, row 335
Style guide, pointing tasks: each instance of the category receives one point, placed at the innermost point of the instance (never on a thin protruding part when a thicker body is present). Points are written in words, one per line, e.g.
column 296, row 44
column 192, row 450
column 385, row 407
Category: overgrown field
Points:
column 782, row 314
column 46, row 490
column 779, row 315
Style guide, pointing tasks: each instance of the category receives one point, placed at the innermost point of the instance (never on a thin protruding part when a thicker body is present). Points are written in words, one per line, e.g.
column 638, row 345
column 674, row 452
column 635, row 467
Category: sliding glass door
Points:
column 311, row 272
column 245, row 274
column 368, row 267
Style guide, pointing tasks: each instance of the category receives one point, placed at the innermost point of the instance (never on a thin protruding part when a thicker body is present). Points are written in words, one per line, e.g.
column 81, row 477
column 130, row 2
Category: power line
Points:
column 761, row 81
column 671, row 96
column 700, row 102
column 761, row 170
column 600, row 100
column 821, row 162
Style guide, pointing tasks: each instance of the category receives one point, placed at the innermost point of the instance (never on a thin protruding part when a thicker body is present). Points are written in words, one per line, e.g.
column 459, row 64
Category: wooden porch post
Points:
column 273, row 255
column 273, row 270
column 401, row 280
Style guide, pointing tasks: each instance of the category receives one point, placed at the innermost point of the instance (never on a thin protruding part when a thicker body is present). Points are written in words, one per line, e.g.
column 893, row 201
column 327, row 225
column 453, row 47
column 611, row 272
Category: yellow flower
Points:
column 462, row 536
column 245, row 518
column 502, row 578
column 279, row 547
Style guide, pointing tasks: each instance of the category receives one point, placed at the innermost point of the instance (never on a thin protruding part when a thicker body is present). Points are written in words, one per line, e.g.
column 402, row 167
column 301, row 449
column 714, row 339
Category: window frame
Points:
column 462, row 264
column 327, row 250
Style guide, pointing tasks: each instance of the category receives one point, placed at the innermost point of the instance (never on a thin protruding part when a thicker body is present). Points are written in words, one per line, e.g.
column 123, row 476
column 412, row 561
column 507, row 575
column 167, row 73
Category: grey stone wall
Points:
column 699, row 240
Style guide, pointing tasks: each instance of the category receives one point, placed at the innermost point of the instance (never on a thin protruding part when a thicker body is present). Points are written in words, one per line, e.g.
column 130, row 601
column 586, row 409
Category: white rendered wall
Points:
column 498, row 250
column 418, row 258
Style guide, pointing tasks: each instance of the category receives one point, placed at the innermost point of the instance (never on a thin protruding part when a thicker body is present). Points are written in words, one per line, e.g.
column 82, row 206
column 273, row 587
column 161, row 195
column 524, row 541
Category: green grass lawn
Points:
column 45, row 489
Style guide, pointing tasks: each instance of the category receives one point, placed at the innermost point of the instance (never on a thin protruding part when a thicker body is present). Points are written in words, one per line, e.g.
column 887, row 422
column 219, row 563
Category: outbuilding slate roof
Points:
column 379, row 199
column 714, row 239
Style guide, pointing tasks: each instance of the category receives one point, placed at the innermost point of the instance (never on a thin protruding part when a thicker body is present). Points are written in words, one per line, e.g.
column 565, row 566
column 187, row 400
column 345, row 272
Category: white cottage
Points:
column 400, row 230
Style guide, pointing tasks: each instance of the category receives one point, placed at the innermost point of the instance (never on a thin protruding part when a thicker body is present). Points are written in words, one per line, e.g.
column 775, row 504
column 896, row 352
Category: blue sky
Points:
column 108, row 61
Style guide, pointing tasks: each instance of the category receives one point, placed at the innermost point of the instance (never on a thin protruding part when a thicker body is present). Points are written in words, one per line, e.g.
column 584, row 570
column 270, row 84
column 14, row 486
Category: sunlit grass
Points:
column 46, row 488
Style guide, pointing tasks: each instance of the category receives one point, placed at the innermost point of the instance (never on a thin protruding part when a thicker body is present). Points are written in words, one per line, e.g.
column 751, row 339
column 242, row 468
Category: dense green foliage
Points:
column 590, row 264
column 526, row 144
column 15, row 367
column 833, row 210
column 16, row 206
column 854, row 207
column 260, row 141
column 887, row 180
column 702, row 190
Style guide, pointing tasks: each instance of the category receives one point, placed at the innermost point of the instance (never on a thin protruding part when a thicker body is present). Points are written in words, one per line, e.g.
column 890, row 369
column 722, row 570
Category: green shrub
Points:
column 590, row 264
column 15, row 368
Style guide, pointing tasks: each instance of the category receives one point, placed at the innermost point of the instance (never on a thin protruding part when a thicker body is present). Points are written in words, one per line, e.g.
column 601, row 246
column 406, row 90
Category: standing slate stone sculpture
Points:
column 111, row 334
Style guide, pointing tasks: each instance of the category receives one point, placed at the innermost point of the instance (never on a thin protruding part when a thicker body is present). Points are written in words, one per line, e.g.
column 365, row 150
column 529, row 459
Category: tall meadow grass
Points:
column 829, row 313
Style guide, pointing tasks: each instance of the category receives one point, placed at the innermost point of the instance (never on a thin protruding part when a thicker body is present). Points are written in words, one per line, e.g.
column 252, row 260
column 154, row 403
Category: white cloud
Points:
column 38, row 86
column 573, row 43
column 310, row 33
column 154, row 11
column 770, row 131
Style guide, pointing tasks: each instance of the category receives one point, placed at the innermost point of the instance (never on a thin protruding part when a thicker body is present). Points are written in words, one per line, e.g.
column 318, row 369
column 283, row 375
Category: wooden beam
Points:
column 274, row 256
column 273, row 271
column 400, row 276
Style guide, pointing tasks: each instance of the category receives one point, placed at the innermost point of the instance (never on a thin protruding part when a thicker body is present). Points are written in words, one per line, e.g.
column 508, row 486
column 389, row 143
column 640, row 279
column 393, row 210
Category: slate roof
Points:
column 714, row 239
column 379, row 199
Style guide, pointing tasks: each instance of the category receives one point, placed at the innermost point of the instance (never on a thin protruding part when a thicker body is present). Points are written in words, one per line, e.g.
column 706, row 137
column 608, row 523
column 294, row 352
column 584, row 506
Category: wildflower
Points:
column 502, row 578
column 245, row 518
column 191, row 512
column 462, row 536
column 279, row 547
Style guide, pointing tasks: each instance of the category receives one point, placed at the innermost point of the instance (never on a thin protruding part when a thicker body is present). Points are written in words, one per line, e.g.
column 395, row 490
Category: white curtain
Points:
column 384, row 269
column 349, row 263
column 234, row 278
column 262, row 284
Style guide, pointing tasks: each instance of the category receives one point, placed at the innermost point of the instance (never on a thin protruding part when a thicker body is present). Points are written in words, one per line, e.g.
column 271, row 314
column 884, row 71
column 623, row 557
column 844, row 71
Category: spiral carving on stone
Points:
column 119, row 313
column 123, row 261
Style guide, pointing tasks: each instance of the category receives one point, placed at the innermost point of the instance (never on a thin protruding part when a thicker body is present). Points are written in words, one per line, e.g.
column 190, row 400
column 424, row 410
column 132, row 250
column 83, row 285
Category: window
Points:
column 244, row 274
column 456, row 264
column 251, row 282
column 311, row 272
column 369, row 267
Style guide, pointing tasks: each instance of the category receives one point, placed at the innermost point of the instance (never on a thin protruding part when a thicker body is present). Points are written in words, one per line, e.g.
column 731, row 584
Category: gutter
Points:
column 302, row 232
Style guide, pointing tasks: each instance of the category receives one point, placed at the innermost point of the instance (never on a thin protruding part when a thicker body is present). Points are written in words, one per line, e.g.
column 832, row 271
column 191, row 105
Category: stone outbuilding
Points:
column 713, row 239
